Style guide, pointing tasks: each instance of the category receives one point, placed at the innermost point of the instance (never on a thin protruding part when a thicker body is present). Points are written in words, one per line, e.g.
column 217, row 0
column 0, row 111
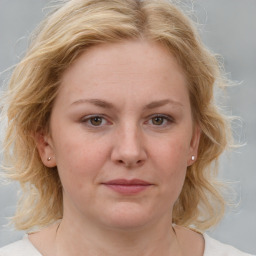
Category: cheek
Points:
column 173, row 151
column 76, row 163
column 171, row 162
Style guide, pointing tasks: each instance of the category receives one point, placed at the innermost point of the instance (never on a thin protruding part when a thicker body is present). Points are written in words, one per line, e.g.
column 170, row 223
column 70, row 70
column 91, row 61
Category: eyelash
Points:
column 88, row 119
column 166, row 119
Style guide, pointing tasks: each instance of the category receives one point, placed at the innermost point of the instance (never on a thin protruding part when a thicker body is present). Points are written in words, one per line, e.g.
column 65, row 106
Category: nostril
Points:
column 128, row 156
column 130, row 163
column 120, row 161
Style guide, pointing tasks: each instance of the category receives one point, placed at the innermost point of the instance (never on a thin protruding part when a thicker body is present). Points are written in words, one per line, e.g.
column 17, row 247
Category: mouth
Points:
column 128, row 187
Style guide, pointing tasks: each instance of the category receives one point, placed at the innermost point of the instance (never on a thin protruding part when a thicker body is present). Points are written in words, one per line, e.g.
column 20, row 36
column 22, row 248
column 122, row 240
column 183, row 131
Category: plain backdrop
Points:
column 228, row 27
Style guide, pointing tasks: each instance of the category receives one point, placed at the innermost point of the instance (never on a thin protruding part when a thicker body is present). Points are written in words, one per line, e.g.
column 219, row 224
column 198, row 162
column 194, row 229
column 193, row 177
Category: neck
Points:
column 156, row 239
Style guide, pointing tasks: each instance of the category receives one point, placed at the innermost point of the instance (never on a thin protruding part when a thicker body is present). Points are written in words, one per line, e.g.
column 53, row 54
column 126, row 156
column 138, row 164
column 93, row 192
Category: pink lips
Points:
column 127, row 187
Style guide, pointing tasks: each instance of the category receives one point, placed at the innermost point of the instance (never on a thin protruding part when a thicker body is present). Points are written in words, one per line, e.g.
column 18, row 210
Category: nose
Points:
column 129, row 150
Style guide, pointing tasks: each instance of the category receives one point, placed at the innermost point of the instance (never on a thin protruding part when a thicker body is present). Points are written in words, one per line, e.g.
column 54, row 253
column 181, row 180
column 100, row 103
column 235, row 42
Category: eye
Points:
column 160, row 120
column 94, row 120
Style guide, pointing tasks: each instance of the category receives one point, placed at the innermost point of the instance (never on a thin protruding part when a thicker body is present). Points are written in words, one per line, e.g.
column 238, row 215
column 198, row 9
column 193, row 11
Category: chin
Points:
column 127, row 217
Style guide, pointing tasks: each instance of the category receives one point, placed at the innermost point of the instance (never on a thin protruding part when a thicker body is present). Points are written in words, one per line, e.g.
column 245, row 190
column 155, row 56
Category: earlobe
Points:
column 45, row 149
column 194, row 144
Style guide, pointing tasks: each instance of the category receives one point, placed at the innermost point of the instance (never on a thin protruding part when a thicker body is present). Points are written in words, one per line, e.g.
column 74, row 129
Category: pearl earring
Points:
column 49, row 158
column 193, row 158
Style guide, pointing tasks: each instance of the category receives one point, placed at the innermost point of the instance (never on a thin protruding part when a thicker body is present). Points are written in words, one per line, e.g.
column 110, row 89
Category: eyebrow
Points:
column 108, row 105
column 160, row 103
column 96, row 102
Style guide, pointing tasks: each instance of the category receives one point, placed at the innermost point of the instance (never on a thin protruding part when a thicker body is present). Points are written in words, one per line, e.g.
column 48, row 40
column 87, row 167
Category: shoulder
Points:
column 20, row 248
column 214, row 248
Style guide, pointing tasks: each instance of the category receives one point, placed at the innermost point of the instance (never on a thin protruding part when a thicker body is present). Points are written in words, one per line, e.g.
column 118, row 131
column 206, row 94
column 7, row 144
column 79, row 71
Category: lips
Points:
column 127, row 182
column 124, row 186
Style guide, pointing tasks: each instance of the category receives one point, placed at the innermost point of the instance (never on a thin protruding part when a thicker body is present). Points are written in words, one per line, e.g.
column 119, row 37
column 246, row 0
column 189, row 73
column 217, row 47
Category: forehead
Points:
column 130, row 67
column 130, row 53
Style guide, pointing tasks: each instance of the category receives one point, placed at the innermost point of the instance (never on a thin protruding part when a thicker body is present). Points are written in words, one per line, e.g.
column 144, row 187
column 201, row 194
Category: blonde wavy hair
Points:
column 70, row 29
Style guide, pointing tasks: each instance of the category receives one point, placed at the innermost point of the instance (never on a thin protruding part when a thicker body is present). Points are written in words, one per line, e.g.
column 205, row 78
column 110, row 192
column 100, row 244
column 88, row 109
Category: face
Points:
column 121, row 135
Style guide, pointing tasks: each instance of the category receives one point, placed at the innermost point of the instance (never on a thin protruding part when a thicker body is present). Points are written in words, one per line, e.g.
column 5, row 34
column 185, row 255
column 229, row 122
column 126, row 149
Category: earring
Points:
column 193, row 158
column 49, row 158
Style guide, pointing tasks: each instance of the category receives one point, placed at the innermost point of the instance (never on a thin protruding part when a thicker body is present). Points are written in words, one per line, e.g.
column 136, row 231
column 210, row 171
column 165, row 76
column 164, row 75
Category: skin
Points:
column 143, row 130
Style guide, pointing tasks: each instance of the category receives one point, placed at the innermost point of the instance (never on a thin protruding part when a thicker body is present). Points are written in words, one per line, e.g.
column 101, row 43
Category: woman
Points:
column 113, row 134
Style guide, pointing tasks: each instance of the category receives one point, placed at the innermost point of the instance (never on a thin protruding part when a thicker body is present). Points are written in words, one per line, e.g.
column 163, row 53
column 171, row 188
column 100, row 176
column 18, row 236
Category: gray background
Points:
column 228, row 27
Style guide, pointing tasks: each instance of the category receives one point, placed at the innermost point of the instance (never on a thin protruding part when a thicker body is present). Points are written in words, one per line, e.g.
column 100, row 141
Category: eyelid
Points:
column 87, row 118
column 167, row 117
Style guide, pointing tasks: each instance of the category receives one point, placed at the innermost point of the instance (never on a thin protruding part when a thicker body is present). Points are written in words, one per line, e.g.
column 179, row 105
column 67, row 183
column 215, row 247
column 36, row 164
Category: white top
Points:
column 212, row 248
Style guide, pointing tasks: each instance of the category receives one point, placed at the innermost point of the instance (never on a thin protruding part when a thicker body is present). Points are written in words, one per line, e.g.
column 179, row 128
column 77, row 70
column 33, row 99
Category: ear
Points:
column 45, row 149
column 194, row 145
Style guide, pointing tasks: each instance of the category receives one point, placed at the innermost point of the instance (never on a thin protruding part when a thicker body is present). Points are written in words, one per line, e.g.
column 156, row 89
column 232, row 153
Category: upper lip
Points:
column 126, row 182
